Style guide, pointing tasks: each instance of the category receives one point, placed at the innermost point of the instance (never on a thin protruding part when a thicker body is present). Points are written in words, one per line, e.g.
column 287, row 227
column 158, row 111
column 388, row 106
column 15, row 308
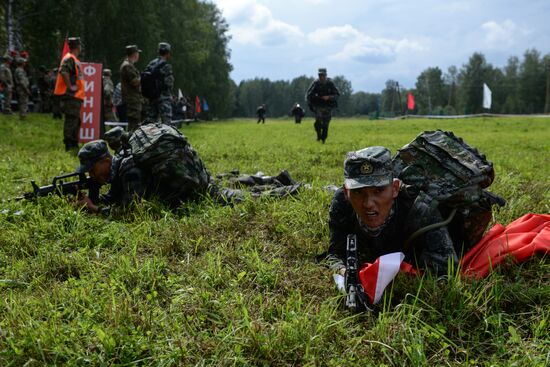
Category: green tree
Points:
column 532, row 82
column 430, row 95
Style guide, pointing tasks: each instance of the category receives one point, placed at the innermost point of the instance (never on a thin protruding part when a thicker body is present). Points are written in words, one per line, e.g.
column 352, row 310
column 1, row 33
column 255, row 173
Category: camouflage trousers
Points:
column 23, row 102
column 6, row 103
column 71, row 108
column 322, row 120
column 161, row 107
column 108, row 114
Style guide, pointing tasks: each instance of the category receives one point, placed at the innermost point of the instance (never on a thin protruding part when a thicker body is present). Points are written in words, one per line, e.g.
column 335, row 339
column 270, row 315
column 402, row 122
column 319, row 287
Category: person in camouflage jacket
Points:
column 383, row 217
column 162, row 106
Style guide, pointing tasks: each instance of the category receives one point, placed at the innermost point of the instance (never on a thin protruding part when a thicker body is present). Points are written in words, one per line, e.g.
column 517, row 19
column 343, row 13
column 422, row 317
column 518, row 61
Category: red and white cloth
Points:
column 519, row 241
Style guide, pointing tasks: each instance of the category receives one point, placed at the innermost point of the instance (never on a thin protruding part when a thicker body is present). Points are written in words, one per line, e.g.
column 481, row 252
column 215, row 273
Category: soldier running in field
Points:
column 322, row 97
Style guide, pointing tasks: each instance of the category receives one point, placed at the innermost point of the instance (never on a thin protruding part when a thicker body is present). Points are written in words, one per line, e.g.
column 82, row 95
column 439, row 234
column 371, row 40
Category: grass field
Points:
column 211, row 285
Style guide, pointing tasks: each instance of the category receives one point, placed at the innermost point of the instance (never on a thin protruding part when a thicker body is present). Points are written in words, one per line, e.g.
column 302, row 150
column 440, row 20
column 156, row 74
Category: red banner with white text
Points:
column 90, row 113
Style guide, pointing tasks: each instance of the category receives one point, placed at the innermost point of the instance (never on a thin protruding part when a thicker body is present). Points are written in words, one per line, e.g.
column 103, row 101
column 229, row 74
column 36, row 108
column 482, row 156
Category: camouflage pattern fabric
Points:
column 431, row 251
column 71, row 108
column 317, row 90
column 130, row 87
column 128, row 182
column 322, row 121
column 108, row 91
column 23, row 92
column 322, row 108
column 162, row 106
column 6, row 79
column 453, row 173
column 177, row 172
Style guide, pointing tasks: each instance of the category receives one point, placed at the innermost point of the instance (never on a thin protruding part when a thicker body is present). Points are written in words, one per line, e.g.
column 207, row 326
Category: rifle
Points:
column 356, row 298
column 61, row 187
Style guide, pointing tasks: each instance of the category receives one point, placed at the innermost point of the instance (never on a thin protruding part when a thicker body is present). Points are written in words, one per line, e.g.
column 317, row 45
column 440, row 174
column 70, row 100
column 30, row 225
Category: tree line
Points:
column 521, row 86
column 201, row 61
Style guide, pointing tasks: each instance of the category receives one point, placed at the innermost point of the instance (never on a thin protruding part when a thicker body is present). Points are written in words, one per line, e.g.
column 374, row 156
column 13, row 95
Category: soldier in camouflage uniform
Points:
column 372, row 206
column 6, row 82
column 69, row 87
column 108, row 90
column 322, row 96
column 22, row 86
column 162, row 106
column 130, row 87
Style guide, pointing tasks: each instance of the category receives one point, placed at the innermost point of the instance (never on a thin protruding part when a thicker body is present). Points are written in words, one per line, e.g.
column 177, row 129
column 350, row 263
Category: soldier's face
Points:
column 373, row 204
column 100, row 171
column 322, row 78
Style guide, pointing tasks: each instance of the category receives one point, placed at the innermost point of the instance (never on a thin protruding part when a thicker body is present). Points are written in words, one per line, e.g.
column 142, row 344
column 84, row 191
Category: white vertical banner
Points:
column 487, row 97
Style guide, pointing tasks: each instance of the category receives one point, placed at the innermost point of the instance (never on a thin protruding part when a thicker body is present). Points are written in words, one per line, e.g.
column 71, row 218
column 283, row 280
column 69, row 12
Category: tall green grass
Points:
column 211, row 285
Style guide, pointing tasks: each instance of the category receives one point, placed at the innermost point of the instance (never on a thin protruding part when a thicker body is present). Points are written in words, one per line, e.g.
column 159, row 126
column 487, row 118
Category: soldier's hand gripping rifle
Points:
column 356, row 299
column 67, row 184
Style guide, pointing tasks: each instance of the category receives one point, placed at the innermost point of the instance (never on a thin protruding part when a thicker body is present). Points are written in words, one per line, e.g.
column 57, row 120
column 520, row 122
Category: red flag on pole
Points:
column 410, row 101
column 66, row 49
column 197, row 104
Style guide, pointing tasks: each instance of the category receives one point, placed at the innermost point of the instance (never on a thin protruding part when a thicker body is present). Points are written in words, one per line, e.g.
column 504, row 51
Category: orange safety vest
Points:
column 61, row 87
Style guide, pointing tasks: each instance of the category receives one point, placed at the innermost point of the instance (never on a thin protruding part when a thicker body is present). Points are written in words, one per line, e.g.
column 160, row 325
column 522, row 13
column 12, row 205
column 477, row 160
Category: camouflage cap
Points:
column 113, row 134
column 20, row 60
column 131, row 49
column 73, row 42
column 322, row 71
column 91, row 153
column 367, row 167
column 107, row 72
column 8, row 57
column 165, row 47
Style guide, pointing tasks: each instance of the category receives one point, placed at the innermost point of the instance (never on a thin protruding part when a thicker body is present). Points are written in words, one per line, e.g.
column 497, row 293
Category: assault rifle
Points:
column 67, row 184
column 356, row 299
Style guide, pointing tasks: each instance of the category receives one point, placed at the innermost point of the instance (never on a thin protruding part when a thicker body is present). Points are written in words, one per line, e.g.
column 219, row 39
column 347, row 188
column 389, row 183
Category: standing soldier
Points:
column 22, row 86
column 160, row 69
column 322, row 97
column 69, row 86
column 108, row 90
column 130, row 87
column 6, row 82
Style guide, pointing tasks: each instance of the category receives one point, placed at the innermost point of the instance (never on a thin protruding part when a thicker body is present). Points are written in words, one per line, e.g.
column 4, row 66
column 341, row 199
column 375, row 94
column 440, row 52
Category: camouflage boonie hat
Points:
column 322, row 71
column 130, row 49
column 368, row 167
column 165, row 47
column 90, row 154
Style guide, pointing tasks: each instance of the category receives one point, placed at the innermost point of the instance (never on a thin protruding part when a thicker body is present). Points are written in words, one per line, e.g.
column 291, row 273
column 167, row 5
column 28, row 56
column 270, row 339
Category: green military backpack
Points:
column 177, row 172
column 456, row 175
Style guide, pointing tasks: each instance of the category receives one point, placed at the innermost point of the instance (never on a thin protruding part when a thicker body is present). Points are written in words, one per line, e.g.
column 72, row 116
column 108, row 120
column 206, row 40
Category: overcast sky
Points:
column 371, row 41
